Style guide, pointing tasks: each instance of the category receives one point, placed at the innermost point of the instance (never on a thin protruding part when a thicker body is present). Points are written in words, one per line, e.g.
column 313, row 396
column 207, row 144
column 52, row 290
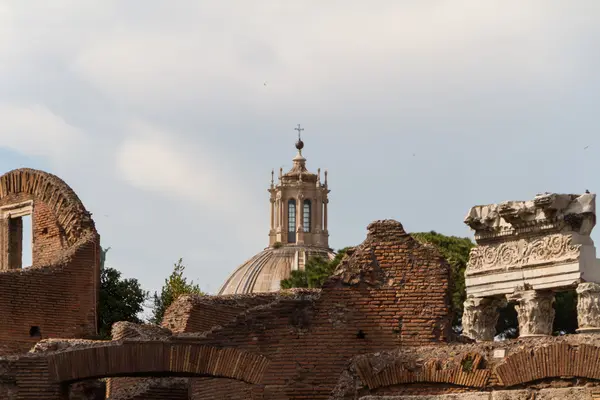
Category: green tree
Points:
column 120, row 299
column 175, row 285
column 456, row 251
column 316, row 271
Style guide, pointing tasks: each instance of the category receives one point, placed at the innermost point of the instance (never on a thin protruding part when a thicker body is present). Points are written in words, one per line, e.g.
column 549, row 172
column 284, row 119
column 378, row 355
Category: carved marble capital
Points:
column 588, row 306
column 522, row 253
column 480, row 317
column 535, row 311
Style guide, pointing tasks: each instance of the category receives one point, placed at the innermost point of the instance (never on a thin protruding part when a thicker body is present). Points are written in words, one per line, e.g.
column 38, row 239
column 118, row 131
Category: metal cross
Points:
column 299, row 130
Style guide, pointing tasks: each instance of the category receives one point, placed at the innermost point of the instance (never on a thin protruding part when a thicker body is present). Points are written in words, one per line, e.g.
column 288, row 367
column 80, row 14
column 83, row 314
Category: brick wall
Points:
column 56, row 296
column 192, row 313
column 391, row 291
column 218, row 388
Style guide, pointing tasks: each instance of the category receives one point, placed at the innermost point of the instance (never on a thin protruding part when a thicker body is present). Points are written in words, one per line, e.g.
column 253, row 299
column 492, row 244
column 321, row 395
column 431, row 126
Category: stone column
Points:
column 278, row 214
column 317, row 213
column 325, row 201
column 284, row 221
column 480, row 317
column 588, row 307
column 272, row 214
column 300, row 219
column 535, row 311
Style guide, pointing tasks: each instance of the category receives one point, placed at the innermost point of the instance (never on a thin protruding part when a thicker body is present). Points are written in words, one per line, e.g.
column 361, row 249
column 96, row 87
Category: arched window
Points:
column 306, row 215
column 292, row 221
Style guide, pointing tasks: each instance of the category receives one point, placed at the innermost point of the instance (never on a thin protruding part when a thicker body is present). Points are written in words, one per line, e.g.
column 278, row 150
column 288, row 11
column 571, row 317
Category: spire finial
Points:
column 272, row 176
column 299, row 143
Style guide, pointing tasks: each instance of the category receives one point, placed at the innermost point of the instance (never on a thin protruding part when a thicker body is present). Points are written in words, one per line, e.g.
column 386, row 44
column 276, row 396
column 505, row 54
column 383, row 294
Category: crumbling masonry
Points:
column 378, row 329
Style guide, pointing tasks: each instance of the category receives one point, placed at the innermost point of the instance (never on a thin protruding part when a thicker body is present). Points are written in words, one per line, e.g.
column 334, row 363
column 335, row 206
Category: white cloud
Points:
column 159, row 161
column 306, row 54
column 37, row 131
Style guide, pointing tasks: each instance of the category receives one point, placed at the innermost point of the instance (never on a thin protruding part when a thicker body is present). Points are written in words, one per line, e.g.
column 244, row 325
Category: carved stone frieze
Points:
column 480, row 317
column 517, row 254
column 535, row 311
column 588, row 306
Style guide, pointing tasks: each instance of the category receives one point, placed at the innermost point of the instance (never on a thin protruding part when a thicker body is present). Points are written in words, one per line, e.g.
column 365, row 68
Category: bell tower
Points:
column 299, row 205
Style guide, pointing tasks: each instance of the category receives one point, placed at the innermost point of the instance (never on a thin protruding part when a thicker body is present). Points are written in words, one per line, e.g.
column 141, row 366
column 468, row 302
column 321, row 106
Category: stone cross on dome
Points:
column 299, row 143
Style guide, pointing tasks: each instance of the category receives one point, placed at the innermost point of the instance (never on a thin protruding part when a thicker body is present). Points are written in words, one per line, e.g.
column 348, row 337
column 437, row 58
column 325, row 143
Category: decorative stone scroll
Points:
column 535, row 311
column 544, row 243
column 480, row 317
column 528, row 252
column 588, row 307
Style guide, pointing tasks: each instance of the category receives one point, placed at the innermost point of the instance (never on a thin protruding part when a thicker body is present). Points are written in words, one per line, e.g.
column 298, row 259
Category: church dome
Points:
column 264, row 271
column 298, row 230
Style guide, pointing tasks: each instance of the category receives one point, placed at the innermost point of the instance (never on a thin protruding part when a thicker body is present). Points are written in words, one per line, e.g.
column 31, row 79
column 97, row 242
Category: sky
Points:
column 166, row 118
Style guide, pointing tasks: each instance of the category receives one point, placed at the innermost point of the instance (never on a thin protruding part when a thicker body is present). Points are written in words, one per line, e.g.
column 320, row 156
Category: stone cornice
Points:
column 546, row 213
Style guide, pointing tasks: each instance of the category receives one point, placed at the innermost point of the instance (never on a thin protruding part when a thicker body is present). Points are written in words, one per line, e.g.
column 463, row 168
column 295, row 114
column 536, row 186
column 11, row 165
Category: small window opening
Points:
column 27, row 247
column 306, row 215
column 20, row 242
column 45, row 231
column 292, row 221
column 35, row 331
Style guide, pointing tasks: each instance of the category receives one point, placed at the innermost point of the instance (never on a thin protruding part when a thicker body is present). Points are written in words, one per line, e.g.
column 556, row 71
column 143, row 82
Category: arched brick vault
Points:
column 156, row 359
column 58, row 295
column 72, row 216
column 470, row 368
column 553, row 361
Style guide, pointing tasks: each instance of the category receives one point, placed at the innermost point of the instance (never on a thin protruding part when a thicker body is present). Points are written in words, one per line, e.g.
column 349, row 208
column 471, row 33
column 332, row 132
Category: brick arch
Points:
column 68, row 209
column 156, row 359
column 553, row 361
column 469, row 371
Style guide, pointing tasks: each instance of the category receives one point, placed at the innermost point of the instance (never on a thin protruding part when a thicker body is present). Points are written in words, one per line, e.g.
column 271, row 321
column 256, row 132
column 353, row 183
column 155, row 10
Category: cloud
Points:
column 347, row 57
column 160, row 161
column 37, row 131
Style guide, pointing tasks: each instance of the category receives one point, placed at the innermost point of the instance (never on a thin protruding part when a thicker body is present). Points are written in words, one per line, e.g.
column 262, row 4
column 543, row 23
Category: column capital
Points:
column 480, row 317
column 535, row 311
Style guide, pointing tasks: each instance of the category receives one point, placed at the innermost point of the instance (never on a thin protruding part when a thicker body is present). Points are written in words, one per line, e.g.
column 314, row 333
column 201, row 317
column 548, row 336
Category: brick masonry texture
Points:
column 473, row 367
column 58, row 292
column 391, row 291
column 378, row 329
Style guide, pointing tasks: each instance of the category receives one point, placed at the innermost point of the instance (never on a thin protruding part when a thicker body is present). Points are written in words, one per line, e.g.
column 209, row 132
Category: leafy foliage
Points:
column 175, row 285
column 456, row 251
column 315, row 272
column 120, row 299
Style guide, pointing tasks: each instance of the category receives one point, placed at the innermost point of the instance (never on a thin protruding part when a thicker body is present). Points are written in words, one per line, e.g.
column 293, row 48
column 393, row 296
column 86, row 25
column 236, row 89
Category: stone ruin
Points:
column 526, row 251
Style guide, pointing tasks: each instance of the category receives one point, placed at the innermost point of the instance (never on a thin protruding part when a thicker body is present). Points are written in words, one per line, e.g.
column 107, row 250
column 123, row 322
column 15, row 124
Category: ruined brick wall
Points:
column 56, row 296
column 391, row 291
column 535, row 364
column 133, row 387
column 8, row 385
column 152, row 389
column 218, row 388
column 193, row 313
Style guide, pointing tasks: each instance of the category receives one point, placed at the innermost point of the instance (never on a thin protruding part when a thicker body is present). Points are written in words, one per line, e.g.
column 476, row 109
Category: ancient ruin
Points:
column 526, row 251
column 56, row 296
column 379, row 328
